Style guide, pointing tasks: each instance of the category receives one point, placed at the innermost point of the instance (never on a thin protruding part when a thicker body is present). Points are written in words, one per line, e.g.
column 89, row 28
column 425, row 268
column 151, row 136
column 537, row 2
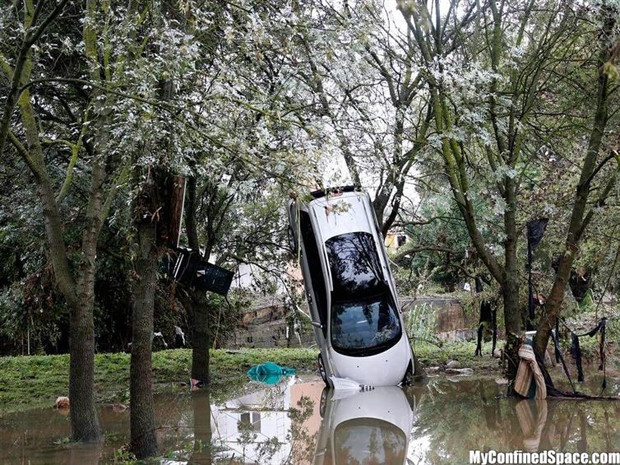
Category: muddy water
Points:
column 297, row 421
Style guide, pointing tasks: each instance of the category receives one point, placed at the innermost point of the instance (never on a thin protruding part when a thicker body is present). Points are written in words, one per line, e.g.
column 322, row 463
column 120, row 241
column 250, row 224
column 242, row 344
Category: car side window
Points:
column 314, row 265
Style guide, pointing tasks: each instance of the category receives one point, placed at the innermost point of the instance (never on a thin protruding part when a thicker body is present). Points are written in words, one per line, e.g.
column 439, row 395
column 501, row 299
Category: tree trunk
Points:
column 83, row 412
column 143, row 442
column 80, row 296
column 84, row 420
column 579, row 218
column 78, row 293
column 200, row 337
column 196, row 302
column 510, row 287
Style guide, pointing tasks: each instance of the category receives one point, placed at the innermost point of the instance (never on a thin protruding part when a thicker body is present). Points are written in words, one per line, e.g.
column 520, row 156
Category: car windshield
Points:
column 355, row 266
column 365, row 327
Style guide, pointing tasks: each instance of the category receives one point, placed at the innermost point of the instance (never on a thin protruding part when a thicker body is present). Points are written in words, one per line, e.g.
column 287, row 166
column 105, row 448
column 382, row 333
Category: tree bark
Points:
column 143, row 441
column 196, row 303
column 513, row 321
column 579, row 218
column 78, row 292
column 84, row 418
column 200, row 337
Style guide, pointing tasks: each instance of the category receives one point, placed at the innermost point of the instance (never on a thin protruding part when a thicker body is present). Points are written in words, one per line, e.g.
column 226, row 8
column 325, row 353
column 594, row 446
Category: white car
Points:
column 351, row 294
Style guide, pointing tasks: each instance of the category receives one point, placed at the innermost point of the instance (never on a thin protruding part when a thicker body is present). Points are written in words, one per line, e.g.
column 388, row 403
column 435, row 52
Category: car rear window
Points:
column 355, row 266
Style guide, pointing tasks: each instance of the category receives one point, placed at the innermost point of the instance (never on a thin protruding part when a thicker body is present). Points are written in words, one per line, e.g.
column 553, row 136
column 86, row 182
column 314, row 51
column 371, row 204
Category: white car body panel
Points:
column 385, row 369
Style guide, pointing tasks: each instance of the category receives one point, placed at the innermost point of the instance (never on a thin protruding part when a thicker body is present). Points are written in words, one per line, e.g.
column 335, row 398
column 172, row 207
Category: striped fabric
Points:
column 527, row 372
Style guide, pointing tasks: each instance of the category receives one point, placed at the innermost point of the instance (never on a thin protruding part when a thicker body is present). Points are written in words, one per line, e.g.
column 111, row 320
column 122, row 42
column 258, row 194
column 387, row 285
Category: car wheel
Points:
column 292, row 242
column 408, row 378
column 321, row 367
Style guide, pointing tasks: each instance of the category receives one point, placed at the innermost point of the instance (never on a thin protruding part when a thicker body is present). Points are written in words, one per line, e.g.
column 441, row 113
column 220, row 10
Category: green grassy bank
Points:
column 35, row 381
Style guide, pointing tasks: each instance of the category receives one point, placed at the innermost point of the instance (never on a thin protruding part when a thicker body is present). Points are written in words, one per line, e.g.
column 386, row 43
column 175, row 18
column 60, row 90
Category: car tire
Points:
column 292, row 241
column 408, row 378
column 321, row 368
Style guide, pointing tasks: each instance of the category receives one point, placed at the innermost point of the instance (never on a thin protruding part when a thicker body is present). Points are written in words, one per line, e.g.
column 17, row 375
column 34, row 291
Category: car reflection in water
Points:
column 305, row 423
column 364, row 427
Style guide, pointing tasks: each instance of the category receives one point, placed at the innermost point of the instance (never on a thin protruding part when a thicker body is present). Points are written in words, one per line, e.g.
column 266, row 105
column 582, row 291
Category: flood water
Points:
column 297, row 421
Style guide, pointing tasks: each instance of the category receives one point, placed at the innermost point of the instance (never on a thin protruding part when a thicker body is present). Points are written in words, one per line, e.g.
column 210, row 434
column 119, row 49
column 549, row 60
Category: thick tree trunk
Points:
column 195, row 303
column 196, row 299
column 78, row 293
column 579, row 218
column 143, row 442
column 84, row 420
column 510, row 288
column 200, row 337
column 80, row 297
column 554, row 304
column 83, row 412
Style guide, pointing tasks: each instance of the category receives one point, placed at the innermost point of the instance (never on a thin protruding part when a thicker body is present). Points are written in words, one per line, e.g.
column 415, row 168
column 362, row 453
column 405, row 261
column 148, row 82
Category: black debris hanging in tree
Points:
column 535, row 232
column 488, row 317
column 576, row 349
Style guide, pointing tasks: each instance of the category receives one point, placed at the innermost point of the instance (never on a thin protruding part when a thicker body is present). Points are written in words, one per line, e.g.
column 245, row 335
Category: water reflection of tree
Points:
column 265, row 449
column 203, row 436
column 476, row 415
column 303, row 444
column 581, row 426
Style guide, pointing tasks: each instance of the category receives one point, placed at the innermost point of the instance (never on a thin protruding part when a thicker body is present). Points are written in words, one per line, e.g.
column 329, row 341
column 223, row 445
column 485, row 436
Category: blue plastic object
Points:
column 269, row 372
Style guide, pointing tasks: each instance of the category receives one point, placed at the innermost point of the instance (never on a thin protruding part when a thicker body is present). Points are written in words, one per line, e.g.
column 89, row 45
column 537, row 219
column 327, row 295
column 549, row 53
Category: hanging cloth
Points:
column 575, row 352
column 576, row 349
column 528, row 372
column 558, row 356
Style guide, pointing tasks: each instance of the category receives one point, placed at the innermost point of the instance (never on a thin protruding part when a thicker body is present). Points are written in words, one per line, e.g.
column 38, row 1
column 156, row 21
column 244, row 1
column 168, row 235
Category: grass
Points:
column 35, row 381
column 431, row 355
column 28, row 382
